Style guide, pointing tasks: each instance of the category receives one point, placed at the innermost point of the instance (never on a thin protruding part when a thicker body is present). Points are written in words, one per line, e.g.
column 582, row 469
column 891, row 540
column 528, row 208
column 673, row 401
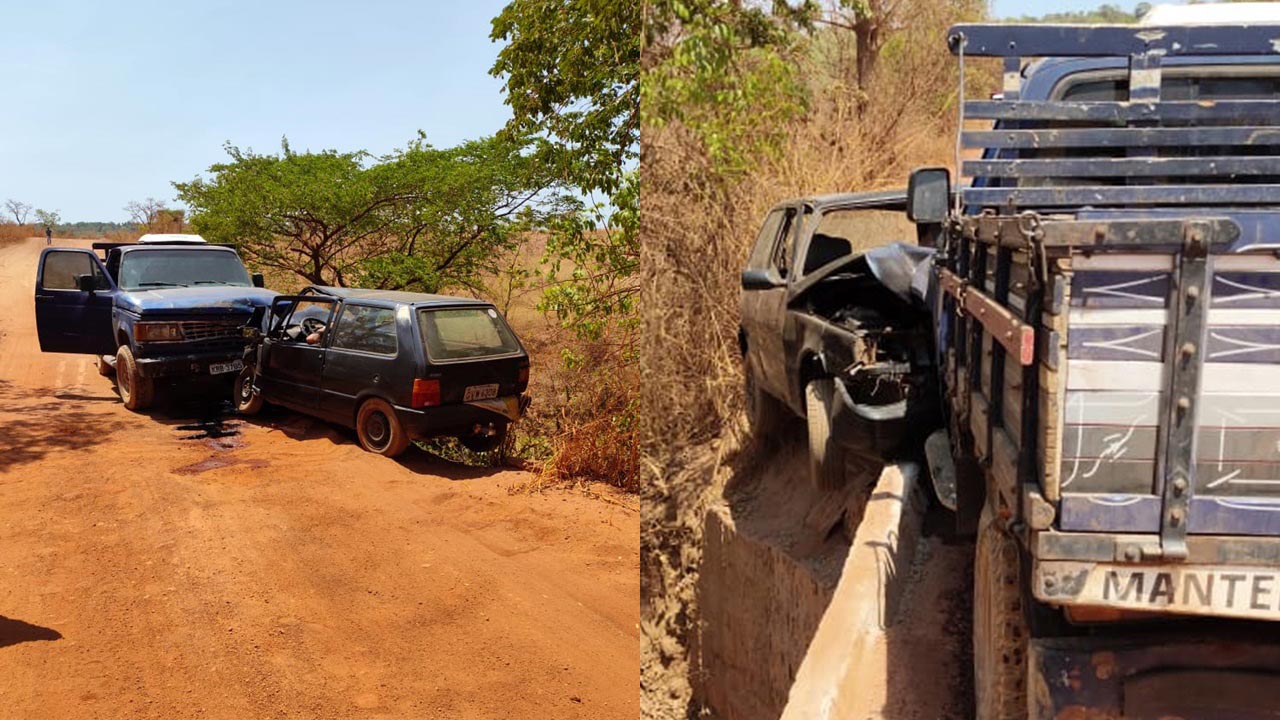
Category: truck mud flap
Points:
column 1145, row 677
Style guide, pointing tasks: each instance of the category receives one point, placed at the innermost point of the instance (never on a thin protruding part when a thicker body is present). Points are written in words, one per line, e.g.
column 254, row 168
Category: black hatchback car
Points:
column 395, row 366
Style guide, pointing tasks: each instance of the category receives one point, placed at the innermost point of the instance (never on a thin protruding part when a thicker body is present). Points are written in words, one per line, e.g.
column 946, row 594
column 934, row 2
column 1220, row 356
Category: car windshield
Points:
column 142, row 269
column 458, row 333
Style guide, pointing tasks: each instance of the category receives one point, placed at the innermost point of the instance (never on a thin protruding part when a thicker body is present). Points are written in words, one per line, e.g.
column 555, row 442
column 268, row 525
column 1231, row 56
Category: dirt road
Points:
column 169, row 565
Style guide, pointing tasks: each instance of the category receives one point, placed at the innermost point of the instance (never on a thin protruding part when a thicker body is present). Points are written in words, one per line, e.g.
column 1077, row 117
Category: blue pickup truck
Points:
column 165, row 309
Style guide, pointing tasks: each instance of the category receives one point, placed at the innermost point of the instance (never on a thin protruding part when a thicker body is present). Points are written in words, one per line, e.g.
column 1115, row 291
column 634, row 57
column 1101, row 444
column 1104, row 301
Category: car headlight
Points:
column 157, row 331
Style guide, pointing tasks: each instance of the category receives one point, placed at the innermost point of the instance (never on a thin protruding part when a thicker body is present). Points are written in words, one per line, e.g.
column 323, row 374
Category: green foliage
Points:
column 571, row 70
column 48, row 218
column 422, row 218
column 727, row 73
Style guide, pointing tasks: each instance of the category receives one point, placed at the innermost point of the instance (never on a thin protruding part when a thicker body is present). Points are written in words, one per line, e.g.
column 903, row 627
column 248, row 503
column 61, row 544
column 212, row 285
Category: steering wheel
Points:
column 310, row 326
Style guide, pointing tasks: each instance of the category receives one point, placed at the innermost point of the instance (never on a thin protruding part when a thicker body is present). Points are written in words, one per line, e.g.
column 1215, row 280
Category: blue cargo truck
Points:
column 1100, row 294
column 1106, row 303
column 165, row 311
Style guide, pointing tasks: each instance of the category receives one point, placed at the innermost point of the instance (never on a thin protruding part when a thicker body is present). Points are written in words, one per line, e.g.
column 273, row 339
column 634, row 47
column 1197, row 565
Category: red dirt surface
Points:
column 179, row 565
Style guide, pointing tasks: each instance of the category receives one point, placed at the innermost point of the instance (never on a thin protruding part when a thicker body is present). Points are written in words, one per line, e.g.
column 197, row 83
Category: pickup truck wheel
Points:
column 485, row 443
column 379, row 430
column 247, row 401
column 765, row 414
column 136, row 391
column 1000, row 631
column 826, row 456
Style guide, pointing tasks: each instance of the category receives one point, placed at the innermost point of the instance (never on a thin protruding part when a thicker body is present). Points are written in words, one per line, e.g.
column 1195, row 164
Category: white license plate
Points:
column 220, row 368
column 480, row 392
column 1252, row 592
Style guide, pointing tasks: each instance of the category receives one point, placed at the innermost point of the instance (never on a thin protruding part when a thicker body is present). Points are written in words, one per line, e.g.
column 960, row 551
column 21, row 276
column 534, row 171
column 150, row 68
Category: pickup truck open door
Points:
column 74, row 297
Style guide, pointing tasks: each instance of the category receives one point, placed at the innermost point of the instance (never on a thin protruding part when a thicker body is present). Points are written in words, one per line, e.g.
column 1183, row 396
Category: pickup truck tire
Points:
column 137, row 392
column 1000, row 631
column 104, row 368
column 765, row 413
column 379, row 430
column 826, row 456
column 485, row 443
column 247, row 401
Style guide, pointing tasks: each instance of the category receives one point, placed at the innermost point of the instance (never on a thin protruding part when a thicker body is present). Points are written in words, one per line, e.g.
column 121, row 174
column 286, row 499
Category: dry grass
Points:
column 12, row 233
column 697, row 227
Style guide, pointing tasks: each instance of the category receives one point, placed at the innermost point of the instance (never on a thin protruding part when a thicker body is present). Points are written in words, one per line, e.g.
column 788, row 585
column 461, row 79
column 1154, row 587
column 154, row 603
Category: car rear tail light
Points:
column 425, row 393
column 522, row 377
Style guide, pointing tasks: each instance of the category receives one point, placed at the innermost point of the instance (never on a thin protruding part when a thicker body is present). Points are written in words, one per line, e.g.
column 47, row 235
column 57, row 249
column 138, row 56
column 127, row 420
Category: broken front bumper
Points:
column 188, row 365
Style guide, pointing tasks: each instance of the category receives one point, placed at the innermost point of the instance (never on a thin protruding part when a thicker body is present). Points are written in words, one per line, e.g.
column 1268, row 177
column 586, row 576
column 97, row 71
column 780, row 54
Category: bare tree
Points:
column 18, row 209
column 144, row 213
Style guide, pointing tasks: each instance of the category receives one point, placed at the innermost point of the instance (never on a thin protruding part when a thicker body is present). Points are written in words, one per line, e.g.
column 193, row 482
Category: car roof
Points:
column 161, row 238
column 892, row 198
column 396, row 297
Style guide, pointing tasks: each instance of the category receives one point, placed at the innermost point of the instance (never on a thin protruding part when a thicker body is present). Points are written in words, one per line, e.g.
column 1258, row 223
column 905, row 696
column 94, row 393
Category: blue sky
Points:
column 108, row 102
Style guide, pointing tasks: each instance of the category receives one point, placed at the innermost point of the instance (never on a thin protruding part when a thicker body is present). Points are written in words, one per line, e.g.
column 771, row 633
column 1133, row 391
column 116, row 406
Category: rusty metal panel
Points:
column 1033, row 40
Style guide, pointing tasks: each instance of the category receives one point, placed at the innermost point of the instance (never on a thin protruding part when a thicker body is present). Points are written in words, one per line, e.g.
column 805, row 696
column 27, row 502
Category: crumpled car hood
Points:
column 212, row 299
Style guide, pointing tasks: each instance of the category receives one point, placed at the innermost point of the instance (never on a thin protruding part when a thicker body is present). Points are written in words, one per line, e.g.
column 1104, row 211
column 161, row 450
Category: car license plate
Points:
column 480, row 392
column 220, row 368
column 1251, row 592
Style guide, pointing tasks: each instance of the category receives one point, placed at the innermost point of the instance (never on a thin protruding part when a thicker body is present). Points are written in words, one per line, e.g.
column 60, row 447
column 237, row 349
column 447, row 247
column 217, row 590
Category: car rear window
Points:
column 459, row 333
column 367, row 329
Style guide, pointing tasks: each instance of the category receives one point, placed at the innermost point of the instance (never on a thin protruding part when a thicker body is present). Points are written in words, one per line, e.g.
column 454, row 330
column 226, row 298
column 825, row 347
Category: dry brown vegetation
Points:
column 697, row 225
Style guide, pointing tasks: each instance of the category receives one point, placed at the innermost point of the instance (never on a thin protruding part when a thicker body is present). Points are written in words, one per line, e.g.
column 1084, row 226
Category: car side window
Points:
column 773, row 246
column 367, row 329
column 62, row 270
column 846, row 231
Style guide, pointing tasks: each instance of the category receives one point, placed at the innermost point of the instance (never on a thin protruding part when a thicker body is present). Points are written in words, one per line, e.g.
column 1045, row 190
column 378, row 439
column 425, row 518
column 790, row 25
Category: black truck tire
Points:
column 379, row 429
column 104, row 367
column 247, row 401
column 485, row 443
column 765, row 413
column 826, row 455
column 137, row 392
column 1000, row 631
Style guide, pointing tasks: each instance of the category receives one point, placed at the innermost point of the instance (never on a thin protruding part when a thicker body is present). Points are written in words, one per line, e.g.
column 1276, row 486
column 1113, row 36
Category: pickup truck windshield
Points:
column 144, row 269
column 462, row 333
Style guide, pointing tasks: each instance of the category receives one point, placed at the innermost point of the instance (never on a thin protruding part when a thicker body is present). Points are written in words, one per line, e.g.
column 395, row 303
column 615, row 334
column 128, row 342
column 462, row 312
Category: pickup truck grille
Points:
column 200, row 330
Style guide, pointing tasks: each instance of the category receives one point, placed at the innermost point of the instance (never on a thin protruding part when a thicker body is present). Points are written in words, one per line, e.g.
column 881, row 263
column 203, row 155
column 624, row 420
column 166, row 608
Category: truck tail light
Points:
column 425, row 393
column 522, row 377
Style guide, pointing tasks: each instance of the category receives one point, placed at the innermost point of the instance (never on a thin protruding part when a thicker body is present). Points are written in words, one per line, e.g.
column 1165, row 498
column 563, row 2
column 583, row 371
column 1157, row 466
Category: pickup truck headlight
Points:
column 157, row 331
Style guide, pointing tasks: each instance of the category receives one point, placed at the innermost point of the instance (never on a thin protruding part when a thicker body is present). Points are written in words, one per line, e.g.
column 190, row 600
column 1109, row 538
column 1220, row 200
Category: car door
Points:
column 69, row 319
column 764, row 307
column 291, row 367
column 363, row 351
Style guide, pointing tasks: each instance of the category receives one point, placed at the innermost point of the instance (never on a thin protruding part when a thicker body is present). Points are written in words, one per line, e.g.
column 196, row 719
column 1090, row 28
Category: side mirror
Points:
column 760, row 280
column 929, row 195
column 86, row 283
column 258, row 280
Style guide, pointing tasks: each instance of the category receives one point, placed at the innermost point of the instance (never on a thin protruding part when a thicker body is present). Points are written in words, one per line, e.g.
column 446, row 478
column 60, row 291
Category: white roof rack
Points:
column 172, row 238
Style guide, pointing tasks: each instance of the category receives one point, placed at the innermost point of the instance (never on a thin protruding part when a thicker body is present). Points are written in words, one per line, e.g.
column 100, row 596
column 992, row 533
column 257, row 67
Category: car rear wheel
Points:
column 246, row 400
column 136, row 391
column 1000, row 631
column 485, row 443
column 379, row 430
column 826, row 454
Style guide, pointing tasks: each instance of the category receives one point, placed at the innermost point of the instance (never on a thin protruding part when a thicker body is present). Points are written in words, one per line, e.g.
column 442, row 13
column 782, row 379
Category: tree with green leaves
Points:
column 48, row 218
column 571, row 70
column 422, row 218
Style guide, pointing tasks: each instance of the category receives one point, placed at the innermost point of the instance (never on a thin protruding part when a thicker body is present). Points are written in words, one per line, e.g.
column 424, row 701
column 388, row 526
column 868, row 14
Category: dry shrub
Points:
column 12, row 232
column 592, row 423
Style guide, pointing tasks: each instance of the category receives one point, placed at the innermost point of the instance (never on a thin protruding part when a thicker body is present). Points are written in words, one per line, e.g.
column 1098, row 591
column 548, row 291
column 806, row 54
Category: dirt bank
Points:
column 177, row 565
column 737, row 583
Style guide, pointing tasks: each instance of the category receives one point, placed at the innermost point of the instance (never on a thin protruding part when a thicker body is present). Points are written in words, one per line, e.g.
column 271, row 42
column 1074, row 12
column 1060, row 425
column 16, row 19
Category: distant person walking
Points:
column 48, row 235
